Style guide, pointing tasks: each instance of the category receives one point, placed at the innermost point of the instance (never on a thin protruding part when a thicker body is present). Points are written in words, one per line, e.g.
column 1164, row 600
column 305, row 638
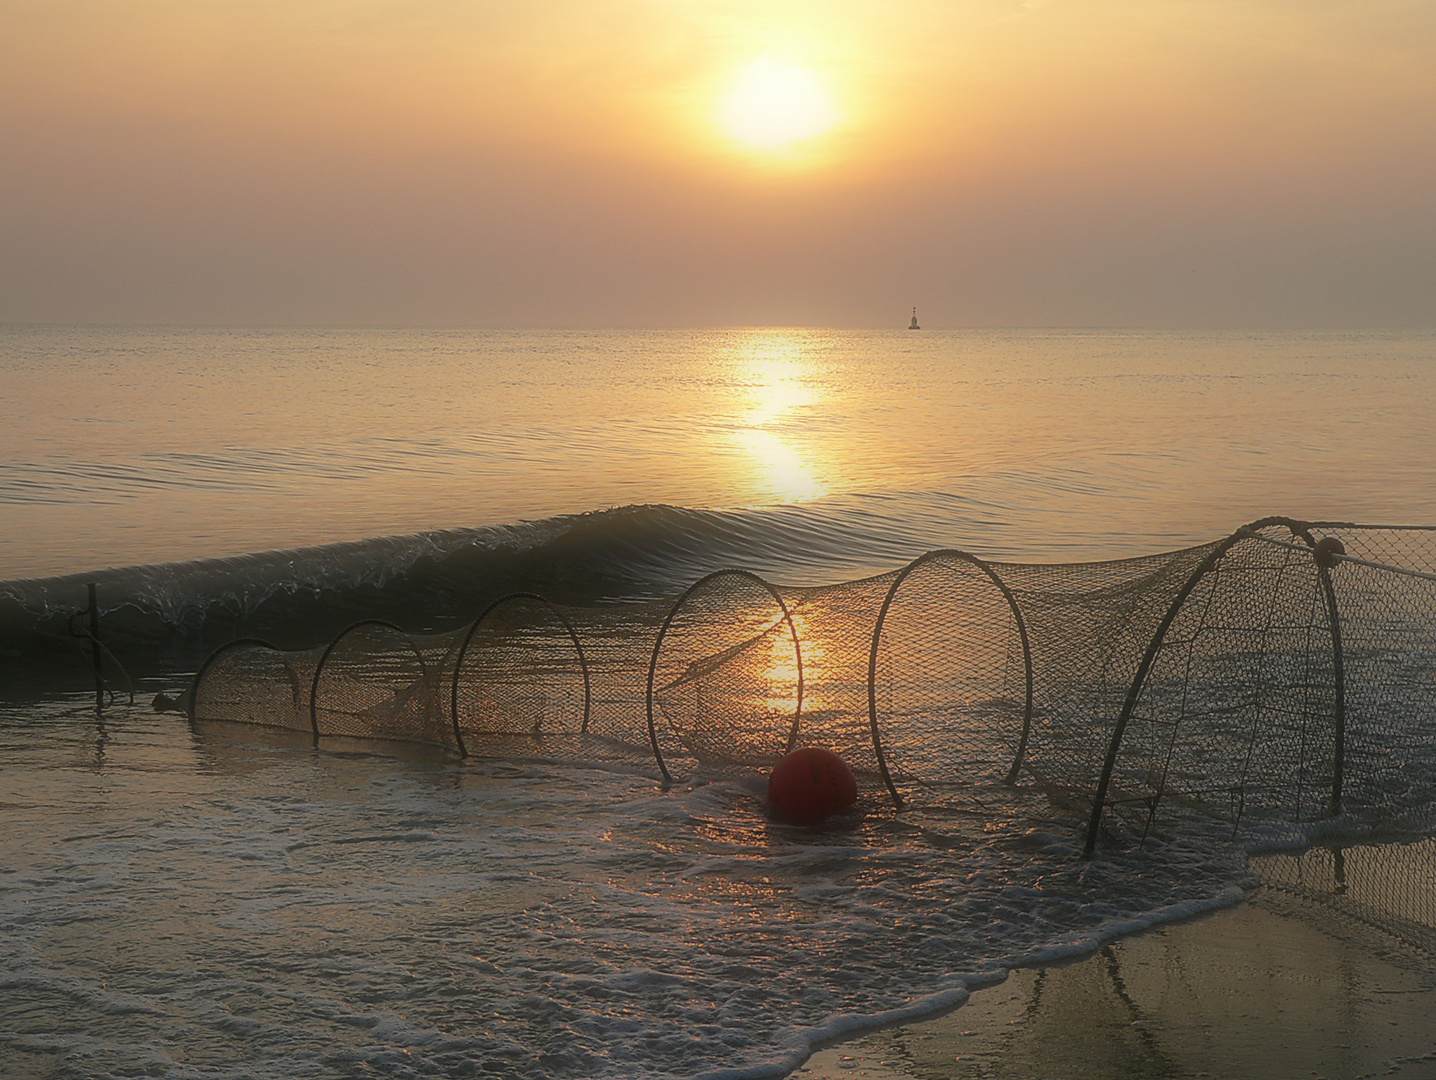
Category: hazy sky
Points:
column 1203, row 163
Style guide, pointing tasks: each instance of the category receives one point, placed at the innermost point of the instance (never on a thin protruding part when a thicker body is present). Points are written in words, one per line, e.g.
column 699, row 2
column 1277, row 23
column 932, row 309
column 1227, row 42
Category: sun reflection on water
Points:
column 781, row 387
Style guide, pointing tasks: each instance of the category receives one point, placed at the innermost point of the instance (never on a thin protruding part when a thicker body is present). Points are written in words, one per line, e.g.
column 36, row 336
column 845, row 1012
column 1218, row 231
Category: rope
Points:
column 1403, row 570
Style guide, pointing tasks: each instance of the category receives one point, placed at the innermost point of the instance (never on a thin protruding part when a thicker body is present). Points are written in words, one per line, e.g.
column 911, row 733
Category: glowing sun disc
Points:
column 775, row 105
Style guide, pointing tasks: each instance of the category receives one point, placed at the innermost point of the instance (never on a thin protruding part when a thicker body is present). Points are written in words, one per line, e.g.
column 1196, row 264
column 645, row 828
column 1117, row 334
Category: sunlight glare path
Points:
column 781, row 387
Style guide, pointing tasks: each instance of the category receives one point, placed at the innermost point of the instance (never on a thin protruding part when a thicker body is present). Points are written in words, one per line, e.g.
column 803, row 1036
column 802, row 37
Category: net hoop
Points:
column 468, row 640
column 746, row 575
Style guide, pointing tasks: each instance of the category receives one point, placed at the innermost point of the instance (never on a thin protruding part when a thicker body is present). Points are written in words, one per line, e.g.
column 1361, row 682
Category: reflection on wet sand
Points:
column 1318, row 977
column 1383, row 895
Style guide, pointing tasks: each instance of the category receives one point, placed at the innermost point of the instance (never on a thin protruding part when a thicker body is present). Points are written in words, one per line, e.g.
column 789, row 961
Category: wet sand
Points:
column 1275, row 988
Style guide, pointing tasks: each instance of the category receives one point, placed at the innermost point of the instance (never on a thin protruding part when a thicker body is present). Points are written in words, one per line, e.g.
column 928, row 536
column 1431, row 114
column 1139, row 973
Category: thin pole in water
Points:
column 95, row 648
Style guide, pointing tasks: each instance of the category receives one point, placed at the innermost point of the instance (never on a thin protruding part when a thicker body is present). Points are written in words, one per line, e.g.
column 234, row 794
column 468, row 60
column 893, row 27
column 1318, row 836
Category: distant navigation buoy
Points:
column 913, row 325
column 811, row 783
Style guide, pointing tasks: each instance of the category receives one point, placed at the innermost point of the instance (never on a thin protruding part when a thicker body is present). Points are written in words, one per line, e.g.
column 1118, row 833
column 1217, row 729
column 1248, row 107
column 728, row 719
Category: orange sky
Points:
column 1202, row 163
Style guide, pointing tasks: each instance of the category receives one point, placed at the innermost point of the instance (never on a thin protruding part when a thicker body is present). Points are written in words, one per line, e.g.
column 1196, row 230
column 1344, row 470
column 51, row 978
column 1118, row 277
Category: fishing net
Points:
column 725, row 687
column 1263, row 681
column 1382, row 895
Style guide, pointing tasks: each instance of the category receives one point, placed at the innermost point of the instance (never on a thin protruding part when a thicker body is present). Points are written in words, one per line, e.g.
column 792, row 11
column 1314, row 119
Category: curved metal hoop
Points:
column 1299, row 529
column 324, row 658
column 474, row 629
column 903, row 574
column 230, row 646
column 663, row 631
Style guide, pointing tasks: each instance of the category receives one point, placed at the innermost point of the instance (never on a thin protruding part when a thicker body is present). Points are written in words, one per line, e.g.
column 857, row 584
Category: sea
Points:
column 216, row 902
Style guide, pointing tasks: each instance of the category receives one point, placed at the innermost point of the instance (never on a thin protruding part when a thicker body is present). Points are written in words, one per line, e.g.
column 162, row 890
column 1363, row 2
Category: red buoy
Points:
column 810, row 784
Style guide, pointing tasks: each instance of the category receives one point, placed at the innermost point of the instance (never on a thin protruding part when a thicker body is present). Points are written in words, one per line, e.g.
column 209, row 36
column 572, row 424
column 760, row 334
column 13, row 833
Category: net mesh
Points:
column 835, row 627
column 1237, row 712
column 950, row 676
column 373, row 683
column 1380, row 894
column 727, row 677
column 253, row 682
column 1256, row 681
column 518, row 680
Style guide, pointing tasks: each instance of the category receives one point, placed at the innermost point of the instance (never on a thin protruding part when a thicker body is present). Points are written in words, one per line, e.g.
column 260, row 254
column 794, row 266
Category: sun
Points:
column 774, row 105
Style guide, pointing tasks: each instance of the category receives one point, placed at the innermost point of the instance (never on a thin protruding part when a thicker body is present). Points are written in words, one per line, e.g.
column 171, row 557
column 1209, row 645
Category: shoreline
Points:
column 1271, row 988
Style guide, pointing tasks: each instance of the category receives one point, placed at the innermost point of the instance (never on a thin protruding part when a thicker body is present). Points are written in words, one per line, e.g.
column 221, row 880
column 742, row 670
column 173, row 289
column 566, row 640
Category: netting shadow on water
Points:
column 1279, row 678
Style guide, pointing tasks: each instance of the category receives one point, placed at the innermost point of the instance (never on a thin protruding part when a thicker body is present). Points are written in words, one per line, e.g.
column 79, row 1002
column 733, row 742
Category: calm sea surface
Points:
column 132, row 446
